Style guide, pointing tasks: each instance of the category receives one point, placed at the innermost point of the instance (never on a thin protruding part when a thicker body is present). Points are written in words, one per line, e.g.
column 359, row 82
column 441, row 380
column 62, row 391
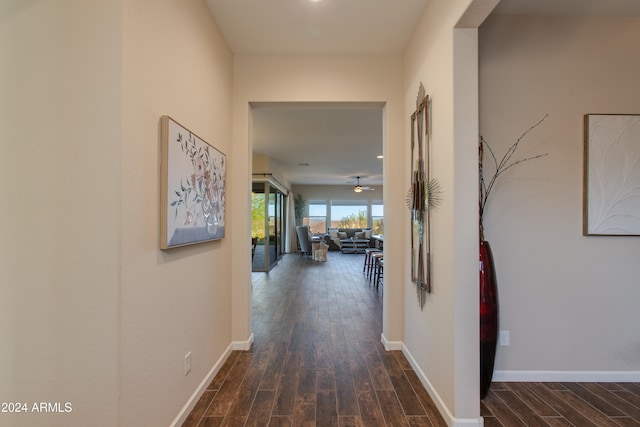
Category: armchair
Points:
column 305, row 241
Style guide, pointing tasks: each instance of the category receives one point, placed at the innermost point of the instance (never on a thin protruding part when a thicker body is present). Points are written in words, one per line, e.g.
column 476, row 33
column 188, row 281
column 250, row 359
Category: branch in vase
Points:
column 500, row 167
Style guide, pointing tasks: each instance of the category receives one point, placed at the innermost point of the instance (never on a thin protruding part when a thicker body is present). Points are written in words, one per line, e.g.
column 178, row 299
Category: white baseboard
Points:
column 442, row 407
column 568, row 376
column 197, row 394
column 390, row 345
column 243, row 345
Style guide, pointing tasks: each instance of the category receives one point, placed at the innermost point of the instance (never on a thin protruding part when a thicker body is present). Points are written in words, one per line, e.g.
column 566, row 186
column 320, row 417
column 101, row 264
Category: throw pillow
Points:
column 367, row 233
column 333, row 233
column 342, row 234
column 359, row 235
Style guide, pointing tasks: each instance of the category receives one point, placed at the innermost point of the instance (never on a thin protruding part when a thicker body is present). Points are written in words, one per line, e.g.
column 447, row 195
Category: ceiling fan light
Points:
column 357, row 189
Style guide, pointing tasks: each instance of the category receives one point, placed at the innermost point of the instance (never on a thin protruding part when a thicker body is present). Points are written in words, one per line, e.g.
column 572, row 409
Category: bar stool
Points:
column 379, row 272
column 375, row 257
column 368, row 260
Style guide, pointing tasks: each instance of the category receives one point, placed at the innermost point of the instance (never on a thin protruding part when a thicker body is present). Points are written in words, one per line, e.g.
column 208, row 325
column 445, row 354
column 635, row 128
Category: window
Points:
column 323, row 214
column 377, row 216
column 349, row 214
column 317, row 219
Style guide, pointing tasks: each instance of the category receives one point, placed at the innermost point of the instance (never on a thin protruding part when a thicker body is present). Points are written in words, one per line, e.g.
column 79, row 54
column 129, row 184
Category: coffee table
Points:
column 354, row 246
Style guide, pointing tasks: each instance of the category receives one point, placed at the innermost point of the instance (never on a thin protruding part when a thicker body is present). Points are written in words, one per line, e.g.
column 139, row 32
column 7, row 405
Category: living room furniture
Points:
column 319, row 249
column 379, row 274
column 353, row 245
column 304, row 239
column 376, row 257
column 377, row 240
column 254, row 244
column 368, row 259
column 314, row 246
column 335, row 235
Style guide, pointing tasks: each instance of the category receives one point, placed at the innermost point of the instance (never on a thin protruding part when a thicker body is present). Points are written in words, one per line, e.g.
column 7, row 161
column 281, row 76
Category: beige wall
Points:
column 569, row 302
column 318, row 79
column 442, row 339
column 94, row 314
column 60, row 114
column 337, row 192
column 262, row 164
column 176, row 301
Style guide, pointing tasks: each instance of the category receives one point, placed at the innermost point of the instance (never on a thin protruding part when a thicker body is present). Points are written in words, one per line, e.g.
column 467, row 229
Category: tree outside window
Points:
column 257, row 215
column 349, row 214
column 377, row 216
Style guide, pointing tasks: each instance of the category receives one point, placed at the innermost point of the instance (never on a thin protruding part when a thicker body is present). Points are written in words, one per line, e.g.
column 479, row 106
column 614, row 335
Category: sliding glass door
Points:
column 267, row 216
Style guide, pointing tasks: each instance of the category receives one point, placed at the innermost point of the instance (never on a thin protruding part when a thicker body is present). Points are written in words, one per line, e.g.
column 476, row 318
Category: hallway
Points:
column 317, row 358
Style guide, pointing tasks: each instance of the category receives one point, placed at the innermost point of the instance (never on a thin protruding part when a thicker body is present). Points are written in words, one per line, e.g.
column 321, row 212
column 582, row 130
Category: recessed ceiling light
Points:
column 381, row 156
column 315, row 1
column 303, row 164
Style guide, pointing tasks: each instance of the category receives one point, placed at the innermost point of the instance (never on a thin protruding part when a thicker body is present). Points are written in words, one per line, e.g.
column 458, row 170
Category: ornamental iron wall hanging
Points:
column 423, row 195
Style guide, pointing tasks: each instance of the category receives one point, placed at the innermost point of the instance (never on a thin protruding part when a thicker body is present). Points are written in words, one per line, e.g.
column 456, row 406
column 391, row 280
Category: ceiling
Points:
column 619, row 8
column 321, row 143
column 341, row 141
column 344, row 27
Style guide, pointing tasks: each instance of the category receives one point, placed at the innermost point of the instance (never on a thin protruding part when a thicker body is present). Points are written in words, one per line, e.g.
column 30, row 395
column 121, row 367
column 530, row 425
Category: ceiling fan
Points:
column 359, row 188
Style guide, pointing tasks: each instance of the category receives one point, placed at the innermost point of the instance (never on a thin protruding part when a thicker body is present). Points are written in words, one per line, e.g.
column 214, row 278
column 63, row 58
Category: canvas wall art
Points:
column 611, row 175
column 192, row 194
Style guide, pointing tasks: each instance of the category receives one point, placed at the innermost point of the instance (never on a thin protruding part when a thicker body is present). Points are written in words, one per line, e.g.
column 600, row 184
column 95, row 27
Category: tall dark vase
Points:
column 488, row 317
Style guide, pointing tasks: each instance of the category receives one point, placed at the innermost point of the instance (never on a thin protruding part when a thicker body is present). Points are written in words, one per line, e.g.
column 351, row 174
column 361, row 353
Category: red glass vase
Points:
column 488, row 317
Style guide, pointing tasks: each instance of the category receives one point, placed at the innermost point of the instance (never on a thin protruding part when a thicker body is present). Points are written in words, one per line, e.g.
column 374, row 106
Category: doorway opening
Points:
column 321, row 153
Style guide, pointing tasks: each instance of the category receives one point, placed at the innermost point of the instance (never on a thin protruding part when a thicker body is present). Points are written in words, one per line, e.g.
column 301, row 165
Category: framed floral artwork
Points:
column 192, row 186
column 611, row 175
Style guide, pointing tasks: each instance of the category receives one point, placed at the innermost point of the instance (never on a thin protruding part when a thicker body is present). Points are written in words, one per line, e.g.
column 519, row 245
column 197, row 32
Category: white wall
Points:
column 569, row 302
column 60, row 115
column 176, row 62
column 319, row 79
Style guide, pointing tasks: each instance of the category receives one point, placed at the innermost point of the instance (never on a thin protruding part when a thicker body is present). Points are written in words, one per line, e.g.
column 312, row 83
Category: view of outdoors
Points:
column 377, row 217
column 257, row 215
column 345, row 214
column 317, row 219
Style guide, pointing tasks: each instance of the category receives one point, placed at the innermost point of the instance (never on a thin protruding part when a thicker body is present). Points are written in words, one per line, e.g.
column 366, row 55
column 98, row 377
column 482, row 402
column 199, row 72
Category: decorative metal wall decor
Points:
column 423, row 195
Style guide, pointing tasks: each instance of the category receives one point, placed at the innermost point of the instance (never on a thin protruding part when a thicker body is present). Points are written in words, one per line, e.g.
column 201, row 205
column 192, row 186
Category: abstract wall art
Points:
column 611, row 175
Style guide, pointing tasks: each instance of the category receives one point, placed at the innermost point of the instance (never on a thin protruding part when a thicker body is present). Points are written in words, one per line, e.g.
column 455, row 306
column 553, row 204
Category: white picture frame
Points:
column 611, row 175
column 192, row 195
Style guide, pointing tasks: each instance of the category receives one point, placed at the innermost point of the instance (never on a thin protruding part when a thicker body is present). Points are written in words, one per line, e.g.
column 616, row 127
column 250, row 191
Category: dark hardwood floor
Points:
column 562, row 404
column 317, row 360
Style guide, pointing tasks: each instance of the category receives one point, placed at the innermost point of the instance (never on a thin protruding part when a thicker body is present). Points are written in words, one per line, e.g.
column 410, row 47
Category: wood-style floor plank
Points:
column 532, row 400
column 326, row 409
column 317, row 360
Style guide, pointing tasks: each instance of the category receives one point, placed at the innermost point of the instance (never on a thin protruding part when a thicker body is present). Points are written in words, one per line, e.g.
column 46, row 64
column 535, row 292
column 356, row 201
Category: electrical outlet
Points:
column 505, row 339
column 187, row 363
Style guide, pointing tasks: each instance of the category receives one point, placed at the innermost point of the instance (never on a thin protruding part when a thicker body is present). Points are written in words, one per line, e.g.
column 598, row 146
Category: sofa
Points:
column 335, row 234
